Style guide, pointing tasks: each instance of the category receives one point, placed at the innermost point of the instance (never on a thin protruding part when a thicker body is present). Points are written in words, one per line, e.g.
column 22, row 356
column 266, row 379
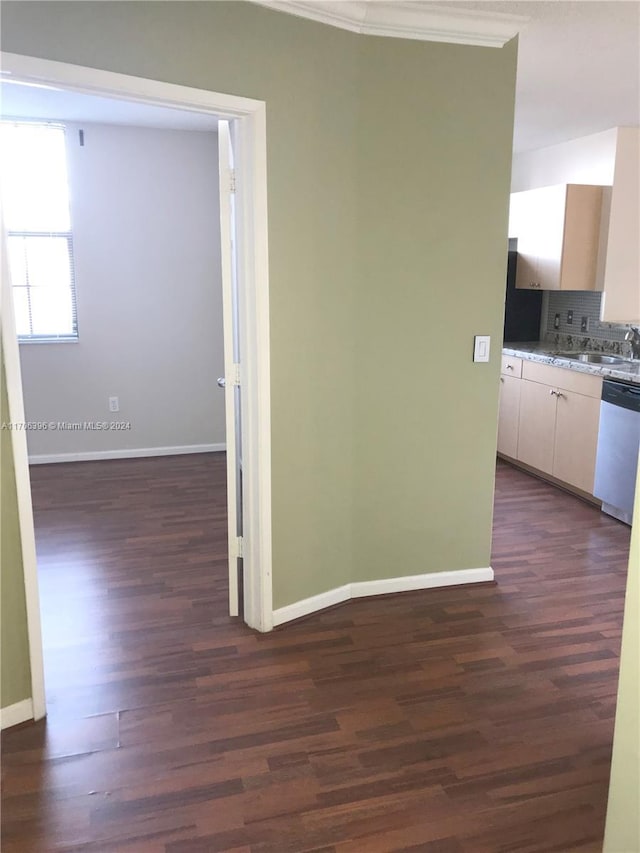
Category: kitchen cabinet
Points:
column 536, row 426
column 576, row 439
column 509, row 408
column 558, row 232
column 558, row 423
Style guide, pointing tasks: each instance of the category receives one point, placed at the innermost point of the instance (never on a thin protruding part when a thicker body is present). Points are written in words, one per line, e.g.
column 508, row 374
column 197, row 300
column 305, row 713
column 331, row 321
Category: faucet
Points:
column 633, row 335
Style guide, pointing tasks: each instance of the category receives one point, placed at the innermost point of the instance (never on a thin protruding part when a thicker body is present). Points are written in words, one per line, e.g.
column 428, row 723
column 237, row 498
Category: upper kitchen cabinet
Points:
column 558, row 231
column 621, row 297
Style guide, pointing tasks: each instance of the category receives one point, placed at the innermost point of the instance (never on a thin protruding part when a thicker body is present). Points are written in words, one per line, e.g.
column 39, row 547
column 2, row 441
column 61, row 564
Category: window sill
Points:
column 30, row 341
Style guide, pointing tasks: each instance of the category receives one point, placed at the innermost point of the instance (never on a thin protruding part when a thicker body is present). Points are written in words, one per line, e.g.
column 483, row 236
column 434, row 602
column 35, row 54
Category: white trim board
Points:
column 407, row 20
column 312, row 605
column 15, row 714
column 387, row 586
column 125, row 453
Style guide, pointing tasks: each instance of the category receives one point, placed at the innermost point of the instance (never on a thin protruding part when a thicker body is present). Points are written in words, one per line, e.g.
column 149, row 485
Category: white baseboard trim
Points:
column 312, row 605
column 20, row 712
column 360, row 589
column 127, row 453
column 387, row 586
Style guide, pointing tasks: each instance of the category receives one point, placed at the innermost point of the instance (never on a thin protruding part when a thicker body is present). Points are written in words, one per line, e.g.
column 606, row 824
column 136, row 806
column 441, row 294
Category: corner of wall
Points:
column 15, row 678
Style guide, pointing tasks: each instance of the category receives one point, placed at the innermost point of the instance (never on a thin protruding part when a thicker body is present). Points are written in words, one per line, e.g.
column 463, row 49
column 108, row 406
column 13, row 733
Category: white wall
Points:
column 146, row 244
column 621, row 298
column 588, row 160
column 622, row 831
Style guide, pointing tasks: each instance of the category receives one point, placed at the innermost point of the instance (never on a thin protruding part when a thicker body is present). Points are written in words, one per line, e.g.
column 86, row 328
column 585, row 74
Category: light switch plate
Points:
column 481, row 346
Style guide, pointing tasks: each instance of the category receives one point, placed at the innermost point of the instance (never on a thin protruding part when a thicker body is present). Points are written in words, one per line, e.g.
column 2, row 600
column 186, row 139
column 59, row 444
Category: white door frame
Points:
column 249, row 116
column 232, row 358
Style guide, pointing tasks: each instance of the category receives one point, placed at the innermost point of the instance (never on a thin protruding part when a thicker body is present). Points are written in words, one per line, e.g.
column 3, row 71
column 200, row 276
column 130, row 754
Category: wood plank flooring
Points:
column 473, row 719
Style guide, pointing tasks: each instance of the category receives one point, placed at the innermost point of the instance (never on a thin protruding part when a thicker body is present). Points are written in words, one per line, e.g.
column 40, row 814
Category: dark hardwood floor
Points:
column 471, row 719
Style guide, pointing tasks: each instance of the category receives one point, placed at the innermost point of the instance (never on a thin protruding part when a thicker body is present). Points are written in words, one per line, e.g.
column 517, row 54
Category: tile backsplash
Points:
column 599, row 336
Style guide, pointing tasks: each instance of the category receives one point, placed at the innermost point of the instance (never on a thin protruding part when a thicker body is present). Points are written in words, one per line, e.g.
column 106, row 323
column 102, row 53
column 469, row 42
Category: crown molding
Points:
column 408, row 20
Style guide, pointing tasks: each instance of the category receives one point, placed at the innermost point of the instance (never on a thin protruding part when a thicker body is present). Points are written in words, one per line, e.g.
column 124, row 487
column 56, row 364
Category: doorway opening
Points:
column 244, row 178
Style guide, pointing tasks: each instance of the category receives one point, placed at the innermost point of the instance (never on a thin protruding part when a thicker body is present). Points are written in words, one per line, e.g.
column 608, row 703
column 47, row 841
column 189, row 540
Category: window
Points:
column 35, row 200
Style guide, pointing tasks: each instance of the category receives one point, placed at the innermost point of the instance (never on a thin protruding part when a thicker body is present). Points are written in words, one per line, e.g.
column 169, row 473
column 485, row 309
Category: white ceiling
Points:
column 578, row 67
column 578, row 73
column 20, row 101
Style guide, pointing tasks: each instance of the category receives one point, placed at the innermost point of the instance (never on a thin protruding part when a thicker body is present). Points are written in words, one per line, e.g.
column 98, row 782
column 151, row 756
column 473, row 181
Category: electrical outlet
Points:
column 556, row 321
column 569, row 318
column 584, row 325
column 114, row 404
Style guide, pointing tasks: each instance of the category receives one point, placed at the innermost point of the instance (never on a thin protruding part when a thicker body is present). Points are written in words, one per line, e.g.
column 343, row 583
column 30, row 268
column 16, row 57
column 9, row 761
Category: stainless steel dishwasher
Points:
column 618, row 443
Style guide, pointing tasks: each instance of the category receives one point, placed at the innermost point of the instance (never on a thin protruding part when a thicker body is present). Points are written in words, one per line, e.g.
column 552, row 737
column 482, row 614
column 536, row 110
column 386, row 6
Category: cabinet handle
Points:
column 509, row 367
column 560, row 394
column 552, row 392
column 502, row 379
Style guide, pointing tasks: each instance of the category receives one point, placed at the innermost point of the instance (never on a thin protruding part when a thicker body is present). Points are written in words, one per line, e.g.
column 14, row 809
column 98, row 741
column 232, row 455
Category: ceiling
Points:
column 578, row 73
column 578, row 67
column 22, row 101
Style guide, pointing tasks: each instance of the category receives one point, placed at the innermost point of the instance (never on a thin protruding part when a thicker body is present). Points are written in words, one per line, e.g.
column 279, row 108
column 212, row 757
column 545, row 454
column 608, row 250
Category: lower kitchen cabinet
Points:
column 548, row 420
column 536, row 426
column 508, row 415
column 574, row 456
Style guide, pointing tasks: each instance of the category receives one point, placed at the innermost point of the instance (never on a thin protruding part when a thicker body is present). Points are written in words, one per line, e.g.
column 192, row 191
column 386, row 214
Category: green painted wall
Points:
column 15, row 675
column 622, row 833
column 388, row 169
column 433, row 187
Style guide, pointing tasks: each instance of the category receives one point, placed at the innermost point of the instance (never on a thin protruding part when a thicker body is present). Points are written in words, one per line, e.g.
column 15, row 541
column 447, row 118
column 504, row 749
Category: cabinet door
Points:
column 574, row 459
column 536, row 425
column 527, row 272
column 508, row 414
column 550, row 206
column 541, row 215
column 581, row 238
column 522, row 225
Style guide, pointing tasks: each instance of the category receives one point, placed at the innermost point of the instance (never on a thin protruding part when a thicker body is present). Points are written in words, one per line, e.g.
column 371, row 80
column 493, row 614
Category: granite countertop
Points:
column 547, row 353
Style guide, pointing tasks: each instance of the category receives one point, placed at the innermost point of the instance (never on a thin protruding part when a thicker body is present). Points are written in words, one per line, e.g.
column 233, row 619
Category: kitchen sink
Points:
column 594, row 357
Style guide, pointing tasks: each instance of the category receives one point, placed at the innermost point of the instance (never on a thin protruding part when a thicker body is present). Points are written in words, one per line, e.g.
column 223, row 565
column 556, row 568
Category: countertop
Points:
column 546, row 353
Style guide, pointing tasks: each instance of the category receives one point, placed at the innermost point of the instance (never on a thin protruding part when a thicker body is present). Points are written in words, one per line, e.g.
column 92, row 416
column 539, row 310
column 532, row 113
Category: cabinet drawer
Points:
column 559, row 377
column 511, row 366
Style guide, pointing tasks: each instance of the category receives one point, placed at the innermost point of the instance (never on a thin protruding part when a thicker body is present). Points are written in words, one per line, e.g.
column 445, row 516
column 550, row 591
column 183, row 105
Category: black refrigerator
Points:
column 523, row 308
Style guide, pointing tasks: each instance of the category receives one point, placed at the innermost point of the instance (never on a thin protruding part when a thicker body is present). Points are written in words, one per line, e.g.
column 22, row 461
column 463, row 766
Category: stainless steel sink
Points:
column 594, row 357
column 598, row 358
